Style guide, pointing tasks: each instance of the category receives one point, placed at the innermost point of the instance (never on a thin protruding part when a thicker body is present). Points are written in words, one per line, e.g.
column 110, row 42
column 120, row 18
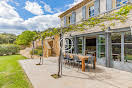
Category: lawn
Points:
column 11, row 73
column 129, row 57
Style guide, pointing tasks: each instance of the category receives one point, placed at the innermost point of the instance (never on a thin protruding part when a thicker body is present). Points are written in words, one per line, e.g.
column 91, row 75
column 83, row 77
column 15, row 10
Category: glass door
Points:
column 80, row 45
column 101, row 46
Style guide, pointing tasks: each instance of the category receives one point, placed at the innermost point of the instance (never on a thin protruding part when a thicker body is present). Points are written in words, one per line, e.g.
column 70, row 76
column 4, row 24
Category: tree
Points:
column 25, row 38
column 6, row 38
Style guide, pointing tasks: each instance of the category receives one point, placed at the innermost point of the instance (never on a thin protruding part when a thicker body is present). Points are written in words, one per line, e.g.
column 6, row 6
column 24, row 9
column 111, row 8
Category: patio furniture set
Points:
column 76, row 60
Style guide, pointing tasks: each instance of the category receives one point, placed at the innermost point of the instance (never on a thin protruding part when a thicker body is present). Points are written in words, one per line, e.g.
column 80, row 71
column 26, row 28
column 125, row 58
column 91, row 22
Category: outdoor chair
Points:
column 65, row 58
column 77, row 61
column 90, row 60
column 70, row 60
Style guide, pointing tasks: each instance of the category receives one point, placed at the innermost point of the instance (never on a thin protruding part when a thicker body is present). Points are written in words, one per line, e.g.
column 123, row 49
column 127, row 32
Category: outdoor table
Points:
column 83, row 58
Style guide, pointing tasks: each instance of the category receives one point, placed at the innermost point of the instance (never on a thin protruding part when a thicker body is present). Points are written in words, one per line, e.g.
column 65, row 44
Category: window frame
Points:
column 118, row 2
column 91, row 11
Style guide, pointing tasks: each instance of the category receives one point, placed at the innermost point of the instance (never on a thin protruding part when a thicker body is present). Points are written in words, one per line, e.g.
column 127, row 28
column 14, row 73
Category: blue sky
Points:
column 55, row 5
column 19, row 15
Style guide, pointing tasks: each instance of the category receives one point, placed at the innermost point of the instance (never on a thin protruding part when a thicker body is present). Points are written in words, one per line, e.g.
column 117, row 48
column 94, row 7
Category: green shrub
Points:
column 9, row 49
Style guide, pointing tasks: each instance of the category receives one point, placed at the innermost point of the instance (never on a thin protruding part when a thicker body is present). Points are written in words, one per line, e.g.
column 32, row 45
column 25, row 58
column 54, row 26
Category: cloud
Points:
column 9, row 18
column 11, row 22
column 34, row 8
column 47, row 7
column 43, row 22
column 7, row 11
column 74, row 3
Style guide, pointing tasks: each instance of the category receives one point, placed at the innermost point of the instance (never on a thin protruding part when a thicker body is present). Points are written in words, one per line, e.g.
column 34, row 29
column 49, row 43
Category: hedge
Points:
column 9, row 49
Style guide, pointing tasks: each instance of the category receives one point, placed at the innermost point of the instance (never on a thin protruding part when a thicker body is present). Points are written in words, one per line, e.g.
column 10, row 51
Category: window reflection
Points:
column 120, row 2
column 91, row 11
column 128, row 47
column 101, row 46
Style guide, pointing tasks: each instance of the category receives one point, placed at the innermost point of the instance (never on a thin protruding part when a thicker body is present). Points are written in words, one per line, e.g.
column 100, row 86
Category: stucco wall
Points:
column 78, row 14
column 62, row 21
column 102, row 6
column 79, row 11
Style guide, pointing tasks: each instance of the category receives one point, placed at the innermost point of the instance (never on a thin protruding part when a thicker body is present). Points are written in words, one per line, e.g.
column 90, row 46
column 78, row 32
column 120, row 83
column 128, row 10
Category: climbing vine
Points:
column 120, row 15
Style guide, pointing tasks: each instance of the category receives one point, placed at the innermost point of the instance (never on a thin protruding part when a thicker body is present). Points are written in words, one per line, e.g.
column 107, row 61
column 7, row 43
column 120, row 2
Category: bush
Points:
column 9, row 49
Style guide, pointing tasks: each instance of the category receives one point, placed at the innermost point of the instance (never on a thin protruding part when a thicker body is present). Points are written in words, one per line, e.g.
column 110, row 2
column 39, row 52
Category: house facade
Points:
column 113, row 47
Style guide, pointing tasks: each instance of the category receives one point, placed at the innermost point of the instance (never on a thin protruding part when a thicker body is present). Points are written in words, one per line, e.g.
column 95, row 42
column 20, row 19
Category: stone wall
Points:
column 56, row 45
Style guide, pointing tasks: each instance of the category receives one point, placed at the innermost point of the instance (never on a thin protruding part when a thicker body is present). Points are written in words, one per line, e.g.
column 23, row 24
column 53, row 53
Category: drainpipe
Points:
column 108, row 48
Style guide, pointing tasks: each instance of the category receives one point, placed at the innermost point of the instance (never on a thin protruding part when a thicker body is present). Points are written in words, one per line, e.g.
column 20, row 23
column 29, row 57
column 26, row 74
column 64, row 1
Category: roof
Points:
column 74, row 7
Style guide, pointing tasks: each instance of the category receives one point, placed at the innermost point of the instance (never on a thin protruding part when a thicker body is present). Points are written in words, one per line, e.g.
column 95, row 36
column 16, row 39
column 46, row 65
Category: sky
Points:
column 17, row 16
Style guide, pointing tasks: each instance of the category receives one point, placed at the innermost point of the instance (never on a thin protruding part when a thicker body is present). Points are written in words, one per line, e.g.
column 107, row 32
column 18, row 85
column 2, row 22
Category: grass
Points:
column 129, row 57
column 11, row 73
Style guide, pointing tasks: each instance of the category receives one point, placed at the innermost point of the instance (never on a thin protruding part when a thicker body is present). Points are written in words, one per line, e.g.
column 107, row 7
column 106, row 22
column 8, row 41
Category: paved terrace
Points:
column 102, row 77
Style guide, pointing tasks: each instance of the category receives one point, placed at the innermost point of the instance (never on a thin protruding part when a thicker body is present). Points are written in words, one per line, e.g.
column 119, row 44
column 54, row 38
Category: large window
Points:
column 101, row 46
column 116, row 46
column 80, row 44
column 121, row 2
column 128, row 46
column 91, row 11
column 69, row 19
column 69, row 45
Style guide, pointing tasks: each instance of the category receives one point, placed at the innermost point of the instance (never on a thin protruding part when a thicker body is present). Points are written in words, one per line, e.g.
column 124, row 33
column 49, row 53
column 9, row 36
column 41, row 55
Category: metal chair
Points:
column 77, row 61
column 65, row 59
column 90, row 60
column 70, row 60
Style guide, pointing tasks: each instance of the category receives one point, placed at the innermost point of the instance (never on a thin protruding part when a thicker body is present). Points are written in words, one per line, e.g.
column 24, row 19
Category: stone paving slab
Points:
column 102, row 77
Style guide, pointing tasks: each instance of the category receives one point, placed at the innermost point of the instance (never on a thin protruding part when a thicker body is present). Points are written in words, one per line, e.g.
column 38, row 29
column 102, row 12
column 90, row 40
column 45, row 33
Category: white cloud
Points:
column 11, row 22
column 34, row 8
column 42, row 22
column 9, row 18
column 47, row 7
column 7, row 11
column 74, row 3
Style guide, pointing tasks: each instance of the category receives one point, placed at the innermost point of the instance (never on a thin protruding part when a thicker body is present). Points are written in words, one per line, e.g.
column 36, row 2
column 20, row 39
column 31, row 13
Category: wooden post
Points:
column 83, row 64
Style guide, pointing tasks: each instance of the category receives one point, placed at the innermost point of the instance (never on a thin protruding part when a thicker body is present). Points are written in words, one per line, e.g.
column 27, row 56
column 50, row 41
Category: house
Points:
column 113, row 47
